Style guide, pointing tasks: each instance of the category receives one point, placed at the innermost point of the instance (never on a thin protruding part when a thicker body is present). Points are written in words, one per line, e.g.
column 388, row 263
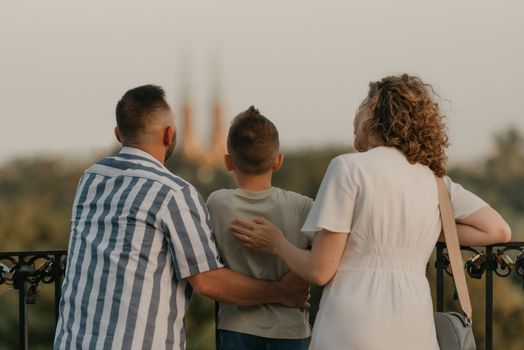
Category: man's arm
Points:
column 221, row 284
column 230, row 287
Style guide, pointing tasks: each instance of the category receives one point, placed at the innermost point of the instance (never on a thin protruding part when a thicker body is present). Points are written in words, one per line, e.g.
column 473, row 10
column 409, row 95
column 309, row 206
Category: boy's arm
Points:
column 230, row 287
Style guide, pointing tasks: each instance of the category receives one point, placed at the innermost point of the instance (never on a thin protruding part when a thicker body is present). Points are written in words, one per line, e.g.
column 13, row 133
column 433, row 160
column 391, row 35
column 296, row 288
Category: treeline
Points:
column 35, row 205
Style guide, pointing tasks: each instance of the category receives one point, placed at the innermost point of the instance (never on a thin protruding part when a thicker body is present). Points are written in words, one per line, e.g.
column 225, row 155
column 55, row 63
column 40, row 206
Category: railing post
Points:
column 22, row 309
column 216, row 326
column 57, row 266
column 490, row 266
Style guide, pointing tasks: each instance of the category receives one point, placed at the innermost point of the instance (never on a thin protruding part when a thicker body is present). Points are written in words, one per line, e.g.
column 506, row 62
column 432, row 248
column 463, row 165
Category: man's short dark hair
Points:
column 136, row 107
column 252, row 142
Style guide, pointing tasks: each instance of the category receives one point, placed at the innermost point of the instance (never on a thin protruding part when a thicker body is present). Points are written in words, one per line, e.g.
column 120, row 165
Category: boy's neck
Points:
column 254, row 183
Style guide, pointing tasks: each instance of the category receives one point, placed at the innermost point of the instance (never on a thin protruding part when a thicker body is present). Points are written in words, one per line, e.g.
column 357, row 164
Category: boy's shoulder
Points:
column 282, row 195
column 219, row 195
column 291, row 194
column 300, row 200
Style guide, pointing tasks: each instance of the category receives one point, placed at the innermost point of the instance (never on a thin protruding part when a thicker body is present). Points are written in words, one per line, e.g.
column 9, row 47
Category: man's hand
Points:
column 295, row 291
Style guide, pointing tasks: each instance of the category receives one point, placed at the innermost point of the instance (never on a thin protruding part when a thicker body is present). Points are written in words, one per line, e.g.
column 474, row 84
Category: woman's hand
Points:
column 317, row 266
column 258, row 234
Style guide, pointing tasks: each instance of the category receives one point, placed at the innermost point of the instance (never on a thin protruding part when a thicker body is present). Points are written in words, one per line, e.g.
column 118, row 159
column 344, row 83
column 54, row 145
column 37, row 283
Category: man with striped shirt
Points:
column 141, row 243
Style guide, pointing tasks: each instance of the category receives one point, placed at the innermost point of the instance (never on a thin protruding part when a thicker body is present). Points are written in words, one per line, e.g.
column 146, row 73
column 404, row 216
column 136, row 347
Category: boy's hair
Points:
column 252, row 142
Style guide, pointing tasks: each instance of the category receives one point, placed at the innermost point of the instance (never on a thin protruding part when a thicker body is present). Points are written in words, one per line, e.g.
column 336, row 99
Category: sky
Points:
column 305, row 64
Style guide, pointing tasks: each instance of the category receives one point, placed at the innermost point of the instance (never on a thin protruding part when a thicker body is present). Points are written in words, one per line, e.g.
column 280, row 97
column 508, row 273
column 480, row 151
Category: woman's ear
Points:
column 228, row 162
column 278, row 162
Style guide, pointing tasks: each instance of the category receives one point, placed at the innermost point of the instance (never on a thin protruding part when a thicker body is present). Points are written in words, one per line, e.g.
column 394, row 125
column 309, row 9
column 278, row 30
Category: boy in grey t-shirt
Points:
column 253, row 156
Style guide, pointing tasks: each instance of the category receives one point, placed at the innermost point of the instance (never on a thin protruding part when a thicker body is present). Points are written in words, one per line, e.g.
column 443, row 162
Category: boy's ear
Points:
column 228, row 162
column 278, row 162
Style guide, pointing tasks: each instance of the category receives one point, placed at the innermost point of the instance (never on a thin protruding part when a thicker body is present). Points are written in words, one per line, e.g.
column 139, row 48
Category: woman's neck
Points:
column 374, row 141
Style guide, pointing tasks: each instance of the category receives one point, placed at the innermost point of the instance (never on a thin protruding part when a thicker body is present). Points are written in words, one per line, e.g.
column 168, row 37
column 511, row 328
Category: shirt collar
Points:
column 138, row 152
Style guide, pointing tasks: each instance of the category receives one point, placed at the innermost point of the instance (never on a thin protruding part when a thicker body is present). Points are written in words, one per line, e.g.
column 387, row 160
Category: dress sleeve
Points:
column 335, row 202
column 464, row 202
column 307, row 204
column 188, row 236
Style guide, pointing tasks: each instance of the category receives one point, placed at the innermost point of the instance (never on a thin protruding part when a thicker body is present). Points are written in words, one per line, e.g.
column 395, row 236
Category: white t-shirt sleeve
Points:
column 305, row 209
column 464, row 202
column 335, row 203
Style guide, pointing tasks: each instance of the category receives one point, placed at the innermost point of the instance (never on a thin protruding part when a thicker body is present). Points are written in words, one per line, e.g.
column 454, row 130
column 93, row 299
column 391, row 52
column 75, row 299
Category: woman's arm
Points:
column 317, row 266
column 483, row 227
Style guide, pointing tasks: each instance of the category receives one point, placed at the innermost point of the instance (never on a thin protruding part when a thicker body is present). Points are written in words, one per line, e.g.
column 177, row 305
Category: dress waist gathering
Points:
column 361, row 254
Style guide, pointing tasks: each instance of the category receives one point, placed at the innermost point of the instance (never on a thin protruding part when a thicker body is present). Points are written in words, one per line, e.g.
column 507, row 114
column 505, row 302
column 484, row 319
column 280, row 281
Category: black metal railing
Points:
column 24, row 271
column 499, row 259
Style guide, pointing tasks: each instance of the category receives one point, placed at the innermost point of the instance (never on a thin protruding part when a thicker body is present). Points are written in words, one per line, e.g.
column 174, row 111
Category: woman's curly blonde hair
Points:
column 403, row 115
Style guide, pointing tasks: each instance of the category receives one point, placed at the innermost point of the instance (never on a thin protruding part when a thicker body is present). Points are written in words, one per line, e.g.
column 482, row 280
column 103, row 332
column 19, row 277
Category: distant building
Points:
column 192, row 149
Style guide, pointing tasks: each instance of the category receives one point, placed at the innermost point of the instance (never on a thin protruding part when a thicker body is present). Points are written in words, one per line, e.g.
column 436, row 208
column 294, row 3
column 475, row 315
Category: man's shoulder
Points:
column 139, row 168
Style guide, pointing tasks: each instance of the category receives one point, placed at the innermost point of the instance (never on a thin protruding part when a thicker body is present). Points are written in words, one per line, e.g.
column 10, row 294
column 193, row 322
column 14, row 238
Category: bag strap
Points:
column 452, row 243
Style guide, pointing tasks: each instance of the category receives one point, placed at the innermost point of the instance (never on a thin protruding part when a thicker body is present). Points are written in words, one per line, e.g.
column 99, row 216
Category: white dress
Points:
column 380, row 297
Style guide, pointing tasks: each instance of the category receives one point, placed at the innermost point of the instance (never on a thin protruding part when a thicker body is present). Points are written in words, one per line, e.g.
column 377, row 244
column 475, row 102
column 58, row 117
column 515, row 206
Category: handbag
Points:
column 454, row 330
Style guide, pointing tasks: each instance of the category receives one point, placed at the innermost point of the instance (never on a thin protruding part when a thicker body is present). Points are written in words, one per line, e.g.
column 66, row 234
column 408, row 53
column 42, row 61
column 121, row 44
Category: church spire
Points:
column 214, row 154
column 217, row 149
column 189, row 141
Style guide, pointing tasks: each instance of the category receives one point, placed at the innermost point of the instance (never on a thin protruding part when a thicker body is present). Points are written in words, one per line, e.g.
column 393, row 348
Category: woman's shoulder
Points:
column 358, row 159
column 368, row 164
column 346, row 165
column 348, row 158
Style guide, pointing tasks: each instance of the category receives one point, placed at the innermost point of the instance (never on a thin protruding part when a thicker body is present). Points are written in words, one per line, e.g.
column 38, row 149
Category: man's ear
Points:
column 117, row 135
column 167, row 138
column 228, row 162
column 278, row 162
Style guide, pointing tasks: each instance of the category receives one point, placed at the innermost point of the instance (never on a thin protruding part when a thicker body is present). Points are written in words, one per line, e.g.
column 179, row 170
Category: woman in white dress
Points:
column 375, row 223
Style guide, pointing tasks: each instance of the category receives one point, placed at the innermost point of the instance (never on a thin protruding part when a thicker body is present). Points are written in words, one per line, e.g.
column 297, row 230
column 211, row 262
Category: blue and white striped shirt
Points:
column 137, row 232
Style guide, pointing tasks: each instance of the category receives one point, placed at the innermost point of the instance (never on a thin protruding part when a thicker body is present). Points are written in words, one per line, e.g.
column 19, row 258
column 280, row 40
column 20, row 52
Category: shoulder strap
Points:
column 450, row 234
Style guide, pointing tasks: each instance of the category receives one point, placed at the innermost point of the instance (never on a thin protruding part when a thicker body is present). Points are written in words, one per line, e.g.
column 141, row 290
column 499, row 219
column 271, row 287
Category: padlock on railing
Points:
column 21, row 273
column 31, row 293
column 504, row 264
column 519, row 266
column 47, row 271
column 476, row 265
column 3, row 270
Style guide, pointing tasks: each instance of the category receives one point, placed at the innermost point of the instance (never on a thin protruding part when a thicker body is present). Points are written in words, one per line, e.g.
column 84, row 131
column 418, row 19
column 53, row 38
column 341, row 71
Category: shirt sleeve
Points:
column 335, row 202
column 464, row 202
column 188, row 234
column 304, row 209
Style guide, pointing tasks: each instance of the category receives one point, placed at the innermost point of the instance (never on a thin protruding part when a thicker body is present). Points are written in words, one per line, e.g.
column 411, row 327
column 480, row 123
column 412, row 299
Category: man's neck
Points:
column 254, row 183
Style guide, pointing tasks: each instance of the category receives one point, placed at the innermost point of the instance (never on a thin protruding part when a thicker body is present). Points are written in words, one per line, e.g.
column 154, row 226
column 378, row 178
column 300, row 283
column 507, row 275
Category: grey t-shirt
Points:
column 288, row 211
